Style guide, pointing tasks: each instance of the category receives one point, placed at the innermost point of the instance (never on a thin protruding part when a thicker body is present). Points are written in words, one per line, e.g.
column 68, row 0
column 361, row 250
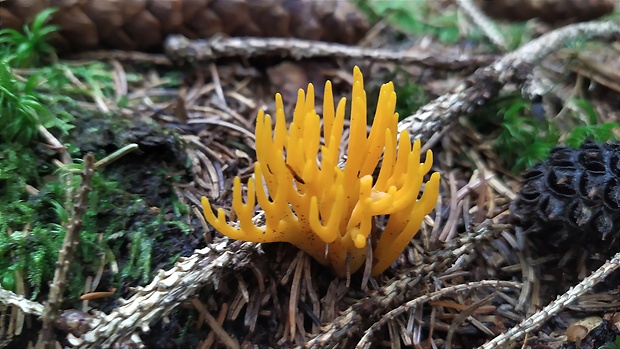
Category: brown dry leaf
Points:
column 289, row 77
column 580, row 329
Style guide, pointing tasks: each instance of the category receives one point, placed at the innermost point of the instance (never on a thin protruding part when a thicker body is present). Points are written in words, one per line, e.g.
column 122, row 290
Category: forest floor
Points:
column 170, row 135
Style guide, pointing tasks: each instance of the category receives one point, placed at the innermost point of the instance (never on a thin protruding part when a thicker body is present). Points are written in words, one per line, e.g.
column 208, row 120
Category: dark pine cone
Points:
column 574, row 194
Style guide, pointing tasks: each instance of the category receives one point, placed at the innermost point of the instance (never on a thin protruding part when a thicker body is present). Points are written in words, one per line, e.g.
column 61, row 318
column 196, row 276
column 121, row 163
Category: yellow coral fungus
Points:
column 324, row 209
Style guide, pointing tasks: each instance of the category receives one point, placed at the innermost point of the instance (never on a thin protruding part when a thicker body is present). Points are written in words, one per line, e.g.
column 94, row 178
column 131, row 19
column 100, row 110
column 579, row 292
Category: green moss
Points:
column 29, row 48
column 21, row 109
column 524, row 138
column 414, row 17
column 18, row 167
column 612, row 345
column 26, row 244
column 411, row 95
column 131, row 209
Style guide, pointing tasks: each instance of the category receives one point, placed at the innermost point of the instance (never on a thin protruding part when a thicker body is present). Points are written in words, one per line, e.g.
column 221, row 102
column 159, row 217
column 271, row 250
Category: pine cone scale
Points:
column 576, row 192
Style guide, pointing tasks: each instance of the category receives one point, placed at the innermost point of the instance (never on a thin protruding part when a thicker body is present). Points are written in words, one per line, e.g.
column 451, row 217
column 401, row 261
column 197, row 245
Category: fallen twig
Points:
column 167, row 290
column 122, row 56
column 484, row 23
column 533, row 322
column 8, row 298
column 355, row 318
column 65, row 255
column 366, row 343
column 486, row 83
column 182, row 50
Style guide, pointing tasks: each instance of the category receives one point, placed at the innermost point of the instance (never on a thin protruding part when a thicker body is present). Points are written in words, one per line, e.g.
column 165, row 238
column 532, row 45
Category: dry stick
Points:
column 465, row 314
column 486, row 83
column 366, row 343
column 208, row 342
column 219, row 331
column 55, row 143
column 530, row 324
column 182, row 50
column 8, row 298
column 65, row 255
column 123, row 56
column 168, row 289
column 294, row 295
column 483, row 22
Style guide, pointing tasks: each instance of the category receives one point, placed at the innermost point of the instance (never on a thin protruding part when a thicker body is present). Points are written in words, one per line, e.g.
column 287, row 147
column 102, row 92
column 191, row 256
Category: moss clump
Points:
column 132, row 209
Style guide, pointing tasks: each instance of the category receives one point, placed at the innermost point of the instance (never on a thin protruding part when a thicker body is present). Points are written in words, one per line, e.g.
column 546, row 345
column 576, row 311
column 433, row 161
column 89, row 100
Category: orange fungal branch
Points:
column 326, row 210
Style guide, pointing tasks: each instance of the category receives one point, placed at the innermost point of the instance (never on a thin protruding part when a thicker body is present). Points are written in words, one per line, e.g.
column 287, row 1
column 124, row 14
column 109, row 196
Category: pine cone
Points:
column 574, row 194
column 143, row 24
column 550, row 11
